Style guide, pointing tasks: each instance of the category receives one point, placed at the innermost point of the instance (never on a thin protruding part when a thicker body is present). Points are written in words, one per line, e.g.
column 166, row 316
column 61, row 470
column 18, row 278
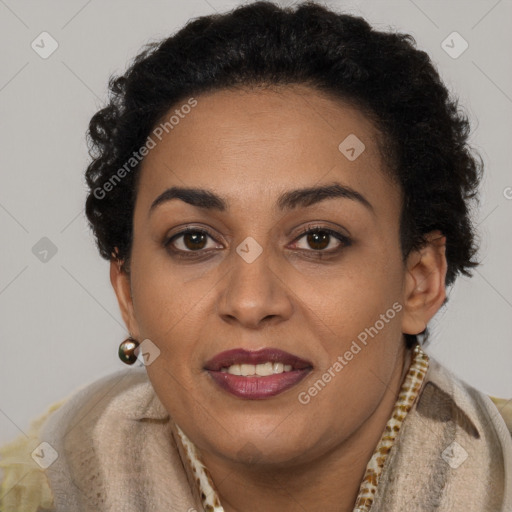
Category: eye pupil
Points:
column 195, row 238
column 318, row 237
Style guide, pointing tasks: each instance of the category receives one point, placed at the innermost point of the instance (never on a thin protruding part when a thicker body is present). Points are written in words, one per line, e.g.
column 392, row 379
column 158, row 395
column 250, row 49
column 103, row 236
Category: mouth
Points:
column 257, row 375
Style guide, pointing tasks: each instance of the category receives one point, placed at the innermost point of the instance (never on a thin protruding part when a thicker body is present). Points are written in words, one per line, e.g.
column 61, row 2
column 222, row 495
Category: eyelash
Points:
column 319, row 254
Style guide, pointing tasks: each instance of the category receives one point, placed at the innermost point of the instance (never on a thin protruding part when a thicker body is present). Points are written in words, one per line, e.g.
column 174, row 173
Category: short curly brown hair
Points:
column 382, row 73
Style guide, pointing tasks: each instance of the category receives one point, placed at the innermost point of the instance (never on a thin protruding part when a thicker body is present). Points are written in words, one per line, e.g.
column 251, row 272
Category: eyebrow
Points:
column 302, row 197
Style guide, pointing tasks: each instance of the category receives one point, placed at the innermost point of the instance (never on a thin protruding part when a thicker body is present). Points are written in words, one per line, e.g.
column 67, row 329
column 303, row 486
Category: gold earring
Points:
column 127, row 350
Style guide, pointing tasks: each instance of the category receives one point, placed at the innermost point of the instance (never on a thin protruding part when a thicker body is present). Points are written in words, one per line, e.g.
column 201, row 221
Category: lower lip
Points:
column 255, row 387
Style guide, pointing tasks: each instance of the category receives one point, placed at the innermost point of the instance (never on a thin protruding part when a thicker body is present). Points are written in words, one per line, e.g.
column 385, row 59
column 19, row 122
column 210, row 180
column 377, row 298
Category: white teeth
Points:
column 262, row 370
column 278, row 367
column 247, row 369
column 235, row 369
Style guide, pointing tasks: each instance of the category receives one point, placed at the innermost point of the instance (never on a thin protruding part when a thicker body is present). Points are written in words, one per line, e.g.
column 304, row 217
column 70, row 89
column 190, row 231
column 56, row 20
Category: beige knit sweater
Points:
column 118, row 451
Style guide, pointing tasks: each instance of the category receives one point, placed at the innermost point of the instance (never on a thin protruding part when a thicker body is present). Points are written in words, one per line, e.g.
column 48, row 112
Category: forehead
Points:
column 259, row 142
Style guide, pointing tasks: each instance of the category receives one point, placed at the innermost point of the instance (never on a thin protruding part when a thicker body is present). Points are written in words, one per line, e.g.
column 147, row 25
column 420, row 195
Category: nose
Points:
column 254, row 294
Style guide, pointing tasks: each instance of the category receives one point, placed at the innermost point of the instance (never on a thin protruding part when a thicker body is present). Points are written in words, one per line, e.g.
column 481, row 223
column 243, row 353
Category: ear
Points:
column 424, row 290
column 121, row 283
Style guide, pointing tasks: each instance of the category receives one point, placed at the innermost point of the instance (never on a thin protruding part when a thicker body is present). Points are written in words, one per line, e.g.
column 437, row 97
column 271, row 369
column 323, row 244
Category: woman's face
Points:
column 333, row 298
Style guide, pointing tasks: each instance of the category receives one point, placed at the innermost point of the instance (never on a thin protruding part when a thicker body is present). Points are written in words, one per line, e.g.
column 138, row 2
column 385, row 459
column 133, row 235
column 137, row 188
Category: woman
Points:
column 283, row 196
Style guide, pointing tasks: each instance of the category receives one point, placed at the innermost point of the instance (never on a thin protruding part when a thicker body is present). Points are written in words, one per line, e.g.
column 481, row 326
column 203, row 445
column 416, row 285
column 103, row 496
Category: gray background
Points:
column 60, row 325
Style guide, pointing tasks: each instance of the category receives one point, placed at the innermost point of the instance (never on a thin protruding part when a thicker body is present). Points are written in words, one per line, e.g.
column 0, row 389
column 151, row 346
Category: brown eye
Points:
column 189, row 240
column 194, row 240
column 318, row 240
column 323, row 240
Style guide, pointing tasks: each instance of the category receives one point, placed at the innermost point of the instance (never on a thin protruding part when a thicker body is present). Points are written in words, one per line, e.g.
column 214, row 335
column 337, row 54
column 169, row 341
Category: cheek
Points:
column 360, row 352
column 168, row 312
column 162, row 304
column 345, row 299
column 366, row 322
column 161, row 297
column 357, row 312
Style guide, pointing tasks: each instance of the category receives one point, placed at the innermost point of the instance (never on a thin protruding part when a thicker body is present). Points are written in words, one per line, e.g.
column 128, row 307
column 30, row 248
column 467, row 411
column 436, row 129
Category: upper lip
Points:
column 242, row 356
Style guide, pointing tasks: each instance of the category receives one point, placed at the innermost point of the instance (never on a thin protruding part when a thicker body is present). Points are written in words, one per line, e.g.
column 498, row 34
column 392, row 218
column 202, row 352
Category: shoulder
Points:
column 475, row 434
column 504, row 406
column 446, row 386
column 27, row 461
column 453, row 439
column 23, row 482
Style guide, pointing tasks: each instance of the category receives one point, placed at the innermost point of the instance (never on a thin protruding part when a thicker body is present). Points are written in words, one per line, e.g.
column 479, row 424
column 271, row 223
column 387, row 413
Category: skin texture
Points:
column 250, row 146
